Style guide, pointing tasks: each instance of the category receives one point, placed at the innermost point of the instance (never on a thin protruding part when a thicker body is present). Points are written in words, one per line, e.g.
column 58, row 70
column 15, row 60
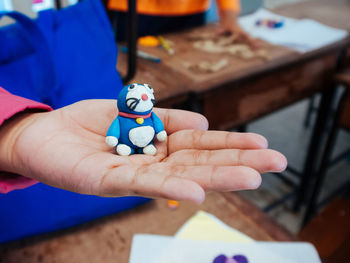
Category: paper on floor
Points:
column 301, row 35
column 204, row 226
column 162, row 249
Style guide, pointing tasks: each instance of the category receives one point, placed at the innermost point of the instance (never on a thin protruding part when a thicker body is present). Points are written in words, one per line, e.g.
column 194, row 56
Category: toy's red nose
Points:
column 144, row 97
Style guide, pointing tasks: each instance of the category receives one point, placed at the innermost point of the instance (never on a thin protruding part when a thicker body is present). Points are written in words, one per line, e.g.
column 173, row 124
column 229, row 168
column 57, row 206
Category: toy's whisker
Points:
column 131, row 102
column 134, row 104
column 131, row 99
column 153, row 101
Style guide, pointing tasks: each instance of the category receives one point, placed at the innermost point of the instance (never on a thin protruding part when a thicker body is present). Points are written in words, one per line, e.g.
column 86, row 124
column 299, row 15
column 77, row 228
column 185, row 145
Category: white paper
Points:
column 164, row 249
column 72, row 2
column 6, row 5
column 39, row 5
column 302, row 35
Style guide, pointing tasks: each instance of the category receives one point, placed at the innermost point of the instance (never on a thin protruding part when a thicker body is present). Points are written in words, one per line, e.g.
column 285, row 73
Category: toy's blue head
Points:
column 136, row 99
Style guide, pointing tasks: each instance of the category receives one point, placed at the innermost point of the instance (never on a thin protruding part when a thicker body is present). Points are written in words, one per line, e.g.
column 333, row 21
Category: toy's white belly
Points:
column 141, row 136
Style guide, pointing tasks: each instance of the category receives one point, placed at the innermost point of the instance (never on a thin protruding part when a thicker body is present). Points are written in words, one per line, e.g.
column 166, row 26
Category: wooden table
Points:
column 249, row 89
column 246, row 89
column 109, row 239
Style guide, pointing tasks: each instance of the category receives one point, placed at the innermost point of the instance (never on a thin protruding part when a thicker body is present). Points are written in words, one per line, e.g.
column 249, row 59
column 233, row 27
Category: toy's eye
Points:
column 131, row 86
column 148, row 86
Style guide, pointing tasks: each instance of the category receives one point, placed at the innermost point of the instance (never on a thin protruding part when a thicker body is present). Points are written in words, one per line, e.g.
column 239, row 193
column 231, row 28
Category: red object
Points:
column 10, row 105
column 134, row 116
column 144, row 97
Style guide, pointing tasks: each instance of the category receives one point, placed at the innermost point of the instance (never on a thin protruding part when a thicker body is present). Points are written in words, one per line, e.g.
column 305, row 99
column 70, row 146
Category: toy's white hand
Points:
column 161, row 136
column 111, row 141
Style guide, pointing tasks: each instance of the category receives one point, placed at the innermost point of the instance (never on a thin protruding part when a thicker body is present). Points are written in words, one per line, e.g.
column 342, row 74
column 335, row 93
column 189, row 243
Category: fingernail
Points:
column 199, row 200
column 199, row 196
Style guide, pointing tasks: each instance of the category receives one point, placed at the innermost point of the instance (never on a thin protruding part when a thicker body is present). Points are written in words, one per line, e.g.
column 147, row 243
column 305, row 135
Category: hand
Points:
column 66, row 148
column 161, row 136
column 229, row 24
column 111, row 141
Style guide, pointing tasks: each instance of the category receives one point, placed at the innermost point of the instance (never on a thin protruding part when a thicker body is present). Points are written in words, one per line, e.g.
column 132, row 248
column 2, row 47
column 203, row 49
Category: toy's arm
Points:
column 113, row 133
column 158, row 127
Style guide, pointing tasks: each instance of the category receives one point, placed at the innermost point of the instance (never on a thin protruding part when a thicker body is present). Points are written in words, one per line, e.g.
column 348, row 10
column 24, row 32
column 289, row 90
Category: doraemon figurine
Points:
column 136, row 125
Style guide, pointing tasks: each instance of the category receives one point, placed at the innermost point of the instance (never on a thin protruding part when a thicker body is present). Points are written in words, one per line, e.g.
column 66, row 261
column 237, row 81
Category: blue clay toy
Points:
column 136, row 126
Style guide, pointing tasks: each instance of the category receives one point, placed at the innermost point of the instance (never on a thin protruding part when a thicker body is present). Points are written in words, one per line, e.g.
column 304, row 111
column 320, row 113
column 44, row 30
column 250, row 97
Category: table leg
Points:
column 310, row 166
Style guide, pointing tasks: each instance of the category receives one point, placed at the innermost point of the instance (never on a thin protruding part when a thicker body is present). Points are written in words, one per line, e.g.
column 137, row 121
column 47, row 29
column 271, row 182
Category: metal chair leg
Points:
column 314, row 146
column 242, row 128
column 310, row 165
column 308, row 115
column 321, row 174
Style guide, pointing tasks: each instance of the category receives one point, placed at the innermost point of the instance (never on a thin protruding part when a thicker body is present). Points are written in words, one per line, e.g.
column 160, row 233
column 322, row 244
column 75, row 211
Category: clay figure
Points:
column 136, row 126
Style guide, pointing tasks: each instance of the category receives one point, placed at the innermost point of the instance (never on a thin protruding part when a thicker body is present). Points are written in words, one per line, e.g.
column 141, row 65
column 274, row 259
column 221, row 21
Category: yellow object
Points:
column 149, row 41
column 204, row 226
column 166, row 46
column 139, row 120
column 174, row 7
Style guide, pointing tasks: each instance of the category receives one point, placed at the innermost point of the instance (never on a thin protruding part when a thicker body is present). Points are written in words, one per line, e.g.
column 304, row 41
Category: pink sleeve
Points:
column 9, row 106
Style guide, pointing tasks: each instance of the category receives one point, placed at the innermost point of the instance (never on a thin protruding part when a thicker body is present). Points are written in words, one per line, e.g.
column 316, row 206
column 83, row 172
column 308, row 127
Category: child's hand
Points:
column 66, row 148
column 229, row 24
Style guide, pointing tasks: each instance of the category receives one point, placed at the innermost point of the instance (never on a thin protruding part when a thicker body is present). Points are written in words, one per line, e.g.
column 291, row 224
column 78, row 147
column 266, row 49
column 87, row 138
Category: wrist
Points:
column 228, row 14
column 10, row 133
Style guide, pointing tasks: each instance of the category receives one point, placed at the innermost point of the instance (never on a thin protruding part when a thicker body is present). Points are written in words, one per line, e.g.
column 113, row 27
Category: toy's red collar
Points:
column 134, row 116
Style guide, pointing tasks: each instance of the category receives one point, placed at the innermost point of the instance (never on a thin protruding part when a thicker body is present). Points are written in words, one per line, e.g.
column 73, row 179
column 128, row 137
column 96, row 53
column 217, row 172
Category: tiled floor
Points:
column 285, row 132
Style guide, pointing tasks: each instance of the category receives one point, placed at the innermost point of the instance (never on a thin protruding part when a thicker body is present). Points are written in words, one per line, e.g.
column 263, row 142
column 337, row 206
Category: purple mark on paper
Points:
column 234, row 259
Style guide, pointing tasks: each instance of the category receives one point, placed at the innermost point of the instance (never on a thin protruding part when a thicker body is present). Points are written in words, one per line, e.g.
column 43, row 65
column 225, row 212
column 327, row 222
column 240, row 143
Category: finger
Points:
column 252, row 42
column 150, row 181
column 244, row 37
column 214, row 140
column 175, row 120
column 178, row 182
column 263, row 161
column 221, row 30
column 223, row 178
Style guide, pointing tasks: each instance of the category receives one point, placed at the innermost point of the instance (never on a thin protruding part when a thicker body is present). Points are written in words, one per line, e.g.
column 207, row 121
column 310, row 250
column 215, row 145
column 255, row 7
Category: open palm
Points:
column 66, row 148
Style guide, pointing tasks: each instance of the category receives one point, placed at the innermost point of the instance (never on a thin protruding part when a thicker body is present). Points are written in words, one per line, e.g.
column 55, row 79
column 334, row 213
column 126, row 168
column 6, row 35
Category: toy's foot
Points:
column 150, row 150
column 123, row 149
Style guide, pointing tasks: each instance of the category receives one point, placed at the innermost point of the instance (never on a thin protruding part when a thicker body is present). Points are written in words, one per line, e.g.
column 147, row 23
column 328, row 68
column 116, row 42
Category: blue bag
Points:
column 62, row 57
column 26, row 65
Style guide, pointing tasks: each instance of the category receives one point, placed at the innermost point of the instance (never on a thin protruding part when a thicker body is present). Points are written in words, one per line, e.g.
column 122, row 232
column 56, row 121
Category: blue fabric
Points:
column 60, row 58
column 82, row 64
column 26, row 65
column 41, row 208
